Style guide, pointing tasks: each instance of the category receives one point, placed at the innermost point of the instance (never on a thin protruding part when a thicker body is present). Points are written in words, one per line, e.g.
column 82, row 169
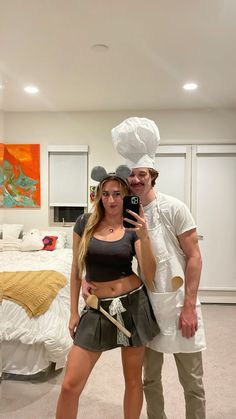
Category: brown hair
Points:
column 154, row 175
column 96, row 217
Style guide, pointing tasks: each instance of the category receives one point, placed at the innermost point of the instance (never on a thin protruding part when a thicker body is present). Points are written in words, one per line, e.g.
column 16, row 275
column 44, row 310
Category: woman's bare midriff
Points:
column 116, row 287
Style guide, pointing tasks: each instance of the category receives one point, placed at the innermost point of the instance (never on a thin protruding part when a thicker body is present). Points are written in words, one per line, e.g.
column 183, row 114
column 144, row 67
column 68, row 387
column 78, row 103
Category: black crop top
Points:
column 107, row 260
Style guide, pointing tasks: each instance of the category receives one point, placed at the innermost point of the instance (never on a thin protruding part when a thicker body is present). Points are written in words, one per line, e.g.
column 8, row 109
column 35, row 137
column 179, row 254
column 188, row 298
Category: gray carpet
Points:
column 102, row 398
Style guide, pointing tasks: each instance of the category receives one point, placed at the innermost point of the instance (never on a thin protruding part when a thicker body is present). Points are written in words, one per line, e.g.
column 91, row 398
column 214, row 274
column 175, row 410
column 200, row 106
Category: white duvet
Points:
column 51, row 328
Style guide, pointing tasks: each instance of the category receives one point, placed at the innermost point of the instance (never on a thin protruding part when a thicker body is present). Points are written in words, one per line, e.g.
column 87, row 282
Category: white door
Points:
column 214, row 208
column 174, row 166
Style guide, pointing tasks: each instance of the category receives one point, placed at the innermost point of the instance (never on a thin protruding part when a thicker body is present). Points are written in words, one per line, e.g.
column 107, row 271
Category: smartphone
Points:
column 132, row 203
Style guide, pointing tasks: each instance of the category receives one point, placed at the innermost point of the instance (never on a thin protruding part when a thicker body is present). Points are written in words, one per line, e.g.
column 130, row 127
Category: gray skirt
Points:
column 97, row 333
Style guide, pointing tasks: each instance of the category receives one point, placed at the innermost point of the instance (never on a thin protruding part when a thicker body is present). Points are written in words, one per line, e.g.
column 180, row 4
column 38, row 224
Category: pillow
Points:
column 11, row 231
column 10, row 245
column 61, row 237
column 49, row 242
column 31, row 241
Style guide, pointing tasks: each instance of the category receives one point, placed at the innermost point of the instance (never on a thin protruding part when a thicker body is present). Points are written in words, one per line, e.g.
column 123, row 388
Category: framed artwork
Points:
column 20, row 175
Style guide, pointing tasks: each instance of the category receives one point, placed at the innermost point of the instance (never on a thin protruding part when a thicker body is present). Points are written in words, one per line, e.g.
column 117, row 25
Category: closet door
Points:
column 174, row 166
column 214, row 208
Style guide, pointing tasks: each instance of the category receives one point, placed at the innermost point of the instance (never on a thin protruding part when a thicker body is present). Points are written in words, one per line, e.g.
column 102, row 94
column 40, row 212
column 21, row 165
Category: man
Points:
column 172, row 232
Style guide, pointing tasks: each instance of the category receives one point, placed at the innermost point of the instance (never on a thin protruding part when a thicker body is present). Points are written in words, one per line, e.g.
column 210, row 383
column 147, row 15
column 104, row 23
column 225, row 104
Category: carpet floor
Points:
column 103, row 394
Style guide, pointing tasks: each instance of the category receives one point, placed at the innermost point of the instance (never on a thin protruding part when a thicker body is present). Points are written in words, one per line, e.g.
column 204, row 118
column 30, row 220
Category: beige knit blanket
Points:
column 33, row 290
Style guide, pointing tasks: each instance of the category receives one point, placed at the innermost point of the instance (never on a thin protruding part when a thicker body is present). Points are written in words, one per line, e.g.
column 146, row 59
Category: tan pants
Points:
column 190, row 373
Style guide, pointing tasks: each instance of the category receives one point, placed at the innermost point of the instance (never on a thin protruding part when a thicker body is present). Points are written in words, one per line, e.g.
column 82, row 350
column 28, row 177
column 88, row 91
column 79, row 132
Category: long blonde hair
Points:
column 96, row 217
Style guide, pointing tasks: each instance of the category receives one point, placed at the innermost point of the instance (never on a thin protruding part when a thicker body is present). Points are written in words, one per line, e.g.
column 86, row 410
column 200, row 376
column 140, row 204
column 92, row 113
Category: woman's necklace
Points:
column 112, row 229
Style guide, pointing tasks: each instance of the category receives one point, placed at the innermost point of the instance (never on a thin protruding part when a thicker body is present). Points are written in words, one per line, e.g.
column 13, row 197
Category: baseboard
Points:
column 217, row 296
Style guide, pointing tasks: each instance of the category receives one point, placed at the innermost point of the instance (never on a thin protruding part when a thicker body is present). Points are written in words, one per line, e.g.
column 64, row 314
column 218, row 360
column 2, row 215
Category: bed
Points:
column 30, row 344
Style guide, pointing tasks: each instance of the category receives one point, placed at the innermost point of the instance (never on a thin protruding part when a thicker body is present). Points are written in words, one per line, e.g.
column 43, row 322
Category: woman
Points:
column 105, row 250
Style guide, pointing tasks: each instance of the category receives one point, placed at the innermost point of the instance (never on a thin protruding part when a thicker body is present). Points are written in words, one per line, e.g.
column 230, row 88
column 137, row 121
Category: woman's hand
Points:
column 73, row 323
column 140, row 225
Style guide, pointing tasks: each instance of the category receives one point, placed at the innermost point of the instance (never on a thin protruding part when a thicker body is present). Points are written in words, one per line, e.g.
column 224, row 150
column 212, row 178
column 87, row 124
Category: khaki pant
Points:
column 190, row 373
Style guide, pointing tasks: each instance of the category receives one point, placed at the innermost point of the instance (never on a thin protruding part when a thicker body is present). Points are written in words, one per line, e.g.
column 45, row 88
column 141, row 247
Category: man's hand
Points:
column 188, row 322
column 86, row 288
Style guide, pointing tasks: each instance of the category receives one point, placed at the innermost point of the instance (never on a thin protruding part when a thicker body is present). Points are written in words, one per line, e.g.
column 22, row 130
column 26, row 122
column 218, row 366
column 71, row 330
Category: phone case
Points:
column 132, row 203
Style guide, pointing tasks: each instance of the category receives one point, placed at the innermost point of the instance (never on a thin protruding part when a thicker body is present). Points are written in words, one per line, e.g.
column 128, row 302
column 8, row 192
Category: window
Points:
column 68, row 182
column 67, row 214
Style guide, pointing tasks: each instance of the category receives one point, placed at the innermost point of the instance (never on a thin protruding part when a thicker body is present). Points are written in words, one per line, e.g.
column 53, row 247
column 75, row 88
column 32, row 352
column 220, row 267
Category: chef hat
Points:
column 137, row 139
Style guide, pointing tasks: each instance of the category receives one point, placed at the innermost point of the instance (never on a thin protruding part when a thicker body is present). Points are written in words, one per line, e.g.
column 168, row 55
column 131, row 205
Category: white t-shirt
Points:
column 176, row 212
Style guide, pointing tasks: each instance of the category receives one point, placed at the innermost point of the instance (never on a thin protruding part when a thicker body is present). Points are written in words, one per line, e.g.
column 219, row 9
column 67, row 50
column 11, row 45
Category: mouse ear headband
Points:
column 98, row 173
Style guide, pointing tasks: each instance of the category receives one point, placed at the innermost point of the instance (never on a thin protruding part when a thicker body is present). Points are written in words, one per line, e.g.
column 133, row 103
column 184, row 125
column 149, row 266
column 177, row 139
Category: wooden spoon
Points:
column 176, row 282
column 93, row 302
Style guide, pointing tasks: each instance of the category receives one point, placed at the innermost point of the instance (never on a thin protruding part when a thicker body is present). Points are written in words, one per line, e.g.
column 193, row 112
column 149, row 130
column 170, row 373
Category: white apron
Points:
column 166, row 303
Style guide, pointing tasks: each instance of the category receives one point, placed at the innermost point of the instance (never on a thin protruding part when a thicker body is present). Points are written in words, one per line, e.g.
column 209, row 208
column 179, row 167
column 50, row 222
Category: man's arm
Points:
column 188, row 317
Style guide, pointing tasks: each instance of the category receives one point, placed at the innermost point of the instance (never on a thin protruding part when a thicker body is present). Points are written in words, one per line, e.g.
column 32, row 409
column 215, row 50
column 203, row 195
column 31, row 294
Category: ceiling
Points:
column 154, row 48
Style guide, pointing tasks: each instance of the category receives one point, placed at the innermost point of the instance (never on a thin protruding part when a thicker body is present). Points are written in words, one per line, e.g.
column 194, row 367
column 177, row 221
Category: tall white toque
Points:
column 137, row 139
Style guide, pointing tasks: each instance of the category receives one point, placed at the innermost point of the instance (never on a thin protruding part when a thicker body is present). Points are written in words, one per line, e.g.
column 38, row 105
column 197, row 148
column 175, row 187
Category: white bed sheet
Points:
column 46, row 337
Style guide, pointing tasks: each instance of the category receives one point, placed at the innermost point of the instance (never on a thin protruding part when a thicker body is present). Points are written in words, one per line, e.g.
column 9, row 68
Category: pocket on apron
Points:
column 166, row 307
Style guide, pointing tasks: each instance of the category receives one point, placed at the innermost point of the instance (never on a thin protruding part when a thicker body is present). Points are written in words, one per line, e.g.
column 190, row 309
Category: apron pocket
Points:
column 166, row 307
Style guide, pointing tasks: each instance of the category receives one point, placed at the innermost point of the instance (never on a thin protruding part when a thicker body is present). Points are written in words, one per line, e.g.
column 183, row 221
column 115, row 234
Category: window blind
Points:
column 68, row 174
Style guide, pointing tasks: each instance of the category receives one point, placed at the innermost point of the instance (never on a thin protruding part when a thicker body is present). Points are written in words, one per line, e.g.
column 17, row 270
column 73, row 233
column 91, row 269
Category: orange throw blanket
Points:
column 33, row 290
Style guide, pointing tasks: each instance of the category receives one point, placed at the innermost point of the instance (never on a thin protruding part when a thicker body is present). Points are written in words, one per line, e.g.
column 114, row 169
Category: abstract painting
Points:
column 20, row 175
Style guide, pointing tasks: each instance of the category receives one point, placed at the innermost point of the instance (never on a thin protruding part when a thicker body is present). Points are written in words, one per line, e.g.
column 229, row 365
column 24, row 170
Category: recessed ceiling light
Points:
column 31, row 89
column 190, row 86
column 100, row 47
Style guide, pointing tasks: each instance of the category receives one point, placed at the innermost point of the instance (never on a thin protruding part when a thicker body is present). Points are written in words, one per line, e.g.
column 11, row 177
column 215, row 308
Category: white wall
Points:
column 1, row 126
column 93, row 128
